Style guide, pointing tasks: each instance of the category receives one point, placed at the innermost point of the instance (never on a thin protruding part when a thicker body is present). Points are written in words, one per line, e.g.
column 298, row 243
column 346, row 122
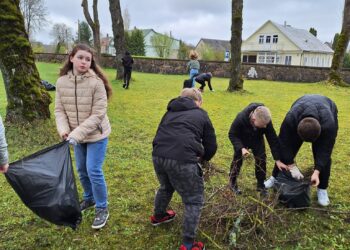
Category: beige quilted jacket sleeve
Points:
column 99, row 109
column 62, row 123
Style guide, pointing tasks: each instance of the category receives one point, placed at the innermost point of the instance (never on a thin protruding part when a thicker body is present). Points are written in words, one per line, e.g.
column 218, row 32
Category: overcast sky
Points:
column 191, row 20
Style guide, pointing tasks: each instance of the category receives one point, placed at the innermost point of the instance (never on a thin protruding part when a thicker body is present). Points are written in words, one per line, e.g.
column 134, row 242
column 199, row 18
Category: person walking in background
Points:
column 127, row 62
column 82, row 91
column 247, row 132
column 4, row 160
column 202, row 78
column 312, row 118
column 193, row 65
column 185, row 136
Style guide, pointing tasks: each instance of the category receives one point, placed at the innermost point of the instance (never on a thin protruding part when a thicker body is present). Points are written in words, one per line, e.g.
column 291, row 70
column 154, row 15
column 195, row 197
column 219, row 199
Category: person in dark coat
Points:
column 184, row 138
column 312, row 118
column 127, row 62
column 247, row 132
column 202, row 78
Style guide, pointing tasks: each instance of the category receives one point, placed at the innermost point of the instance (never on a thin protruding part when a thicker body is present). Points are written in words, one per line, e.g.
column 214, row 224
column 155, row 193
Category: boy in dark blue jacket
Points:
column 247, row 132
column 202, row 78
column 185, row 136
column 312, row 118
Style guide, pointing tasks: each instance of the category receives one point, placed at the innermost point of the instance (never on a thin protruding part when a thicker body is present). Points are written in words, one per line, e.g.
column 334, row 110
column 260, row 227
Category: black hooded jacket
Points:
column 242, row 134
column 127, row 60
column 185, row 133
column 325, row 112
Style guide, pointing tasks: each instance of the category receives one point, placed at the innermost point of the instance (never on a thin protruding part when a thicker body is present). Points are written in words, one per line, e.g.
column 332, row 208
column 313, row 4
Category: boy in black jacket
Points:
column 202, row 78
column 185, row 136
column 247, row 132
column 127, row 62
column 312, row 118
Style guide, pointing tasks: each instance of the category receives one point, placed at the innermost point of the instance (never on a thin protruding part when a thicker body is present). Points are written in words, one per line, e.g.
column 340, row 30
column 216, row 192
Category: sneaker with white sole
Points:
column 322, row 196
column 100, row 218
column 270, row 182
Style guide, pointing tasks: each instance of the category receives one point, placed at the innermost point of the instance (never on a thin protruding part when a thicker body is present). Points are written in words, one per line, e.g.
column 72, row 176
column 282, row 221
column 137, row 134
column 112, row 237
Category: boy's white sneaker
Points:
column 270, row 182
column 322, row 196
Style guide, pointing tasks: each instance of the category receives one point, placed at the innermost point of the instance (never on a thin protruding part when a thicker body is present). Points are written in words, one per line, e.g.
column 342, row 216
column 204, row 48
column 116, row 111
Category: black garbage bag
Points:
column 291, row 192
column 45, row 183
column 48, row 86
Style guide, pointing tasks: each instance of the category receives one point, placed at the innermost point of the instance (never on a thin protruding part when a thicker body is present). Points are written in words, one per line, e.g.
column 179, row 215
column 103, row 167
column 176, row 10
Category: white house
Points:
column 107, row 44
column 150, row 50
column 274, row 43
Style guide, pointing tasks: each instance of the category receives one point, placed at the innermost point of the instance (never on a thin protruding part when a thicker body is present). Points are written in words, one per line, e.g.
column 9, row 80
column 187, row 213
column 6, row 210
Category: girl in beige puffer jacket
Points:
column 81, row 118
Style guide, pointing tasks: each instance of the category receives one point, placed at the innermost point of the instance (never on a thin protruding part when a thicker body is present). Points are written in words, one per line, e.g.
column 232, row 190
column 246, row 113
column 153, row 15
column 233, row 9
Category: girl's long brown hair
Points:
column 68, row 65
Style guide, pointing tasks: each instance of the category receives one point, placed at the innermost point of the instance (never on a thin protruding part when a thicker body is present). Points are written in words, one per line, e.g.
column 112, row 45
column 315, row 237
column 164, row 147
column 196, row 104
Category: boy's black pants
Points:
column 202, row 83
column 258, row 150
column 127, row 76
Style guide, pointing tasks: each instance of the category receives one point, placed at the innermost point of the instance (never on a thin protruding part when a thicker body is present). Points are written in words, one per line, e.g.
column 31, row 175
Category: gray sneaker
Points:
column 100, row 218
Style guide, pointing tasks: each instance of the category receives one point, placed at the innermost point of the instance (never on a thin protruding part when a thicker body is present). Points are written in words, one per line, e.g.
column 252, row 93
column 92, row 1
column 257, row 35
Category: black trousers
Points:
column 127, row 76
column 259, row 153
column 202, row 83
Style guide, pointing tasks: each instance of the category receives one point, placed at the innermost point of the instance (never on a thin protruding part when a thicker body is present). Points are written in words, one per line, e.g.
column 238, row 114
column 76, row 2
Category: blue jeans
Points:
column 193, row 72
column 89, row 159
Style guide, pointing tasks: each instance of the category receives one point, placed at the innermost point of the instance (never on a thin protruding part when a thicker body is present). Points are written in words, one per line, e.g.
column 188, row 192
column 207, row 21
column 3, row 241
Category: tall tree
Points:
column 126, row 19
column 184, row 49
column 26, row 99
column 84, row 33
column 62, row 35
column 35, row 15
column 313, row 31
column 209, row 54
column 136, row 43
column 162, row 44
column 236, row 81
column 94, row 24
column 340, row 49
column 118, row 33
column 335, row 40
column 347, row 60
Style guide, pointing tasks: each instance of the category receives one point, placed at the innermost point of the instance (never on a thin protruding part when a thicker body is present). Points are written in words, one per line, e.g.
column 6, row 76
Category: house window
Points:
column 270, row 58
column 305, row 61
column 261, row 58
column 261, row 39
column 245, row 58
column 288, row 60
column 268, row 39
column 275, row 39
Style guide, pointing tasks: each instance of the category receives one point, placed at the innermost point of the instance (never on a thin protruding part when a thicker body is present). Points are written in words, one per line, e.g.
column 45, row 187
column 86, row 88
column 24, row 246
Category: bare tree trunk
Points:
column 26, row 99
column 94, row 24
column 236, row 81
column 340, row 49
column 118, row 33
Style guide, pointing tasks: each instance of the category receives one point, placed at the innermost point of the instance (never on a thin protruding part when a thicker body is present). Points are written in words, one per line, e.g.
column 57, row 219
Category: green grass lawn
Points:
column 134, row 115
